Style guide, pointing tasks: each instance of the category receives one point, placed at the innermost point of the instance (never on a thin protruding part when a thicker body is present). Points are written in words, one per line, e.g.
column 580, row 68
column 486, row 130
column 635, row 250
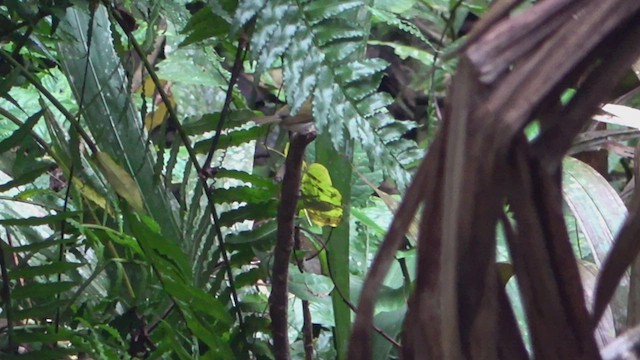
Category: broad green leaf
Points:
column 121, row 181
column 599, row 212
column 99, row 84
column 404, row 52
column 596, row 206
column 309, row 286
column 203, row 25
column 320, row 199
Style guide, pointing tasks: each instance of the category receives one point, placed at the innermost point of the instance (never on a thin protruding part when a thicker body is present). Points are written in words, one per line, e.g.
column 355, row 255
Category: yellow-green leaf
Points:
column 89, row 193
column 320, row 199
column 120, row 179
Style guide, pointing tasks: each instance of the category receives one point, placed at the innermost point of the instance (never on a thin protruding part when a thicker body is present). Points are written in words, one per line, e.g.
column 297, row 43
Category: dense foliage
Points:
column 142, row 157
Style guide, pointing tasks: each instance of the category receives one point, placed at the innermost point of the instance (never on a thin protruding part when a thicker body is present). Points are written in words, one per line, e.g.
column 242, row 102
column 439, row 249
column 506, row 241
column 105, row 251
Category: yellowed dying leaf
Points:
column 320, row 199
column 92, row 195
column 120, row 180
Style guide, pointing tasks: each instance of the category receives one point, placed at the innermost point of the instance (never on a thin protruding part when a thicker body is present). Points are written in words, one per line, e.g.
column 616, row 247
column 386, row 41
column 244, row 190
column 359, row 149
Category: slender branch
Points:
column 307, row 322
column 278, row 300
column 235, row 72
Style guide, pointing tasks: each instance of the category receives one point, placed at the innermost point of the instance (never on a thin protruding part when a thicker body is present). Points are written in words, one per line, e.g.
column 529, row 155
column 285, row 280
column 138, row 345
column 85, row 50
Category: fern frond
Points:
column 321, row 53
column 396, row 21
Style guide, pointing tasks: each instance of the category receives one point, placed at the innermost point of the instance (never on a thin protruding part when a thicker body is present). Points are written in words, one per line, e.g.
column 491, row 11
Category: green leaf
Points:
column 251, row 211
column 265, row 230
column 43, row 270
column 98, row 80
column 33, row 221
column 159, row 248
column 256, row 180
column 39, row 311
column 233, row 138
column 247, row 9
column 17, row 136
column 309, row 286
column 41, row 290
column 405, row 52
column 394, row 6
column 243, row 194
column 209, row 122
column 203, row 25
column 38, row 246
column 595, row 204
column 600, row 213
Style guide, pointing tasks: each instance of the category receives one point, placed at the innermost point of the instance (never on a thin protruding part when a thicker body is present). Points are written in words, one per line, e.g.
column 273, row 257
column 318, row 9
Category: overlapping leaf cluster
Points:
column 316, row 41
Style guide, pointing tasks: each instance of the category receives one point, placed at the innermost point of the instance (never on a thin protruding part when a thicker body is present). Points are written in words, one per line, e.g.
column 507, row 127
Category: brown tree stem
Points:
column 278, row 300
column 307, row 322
